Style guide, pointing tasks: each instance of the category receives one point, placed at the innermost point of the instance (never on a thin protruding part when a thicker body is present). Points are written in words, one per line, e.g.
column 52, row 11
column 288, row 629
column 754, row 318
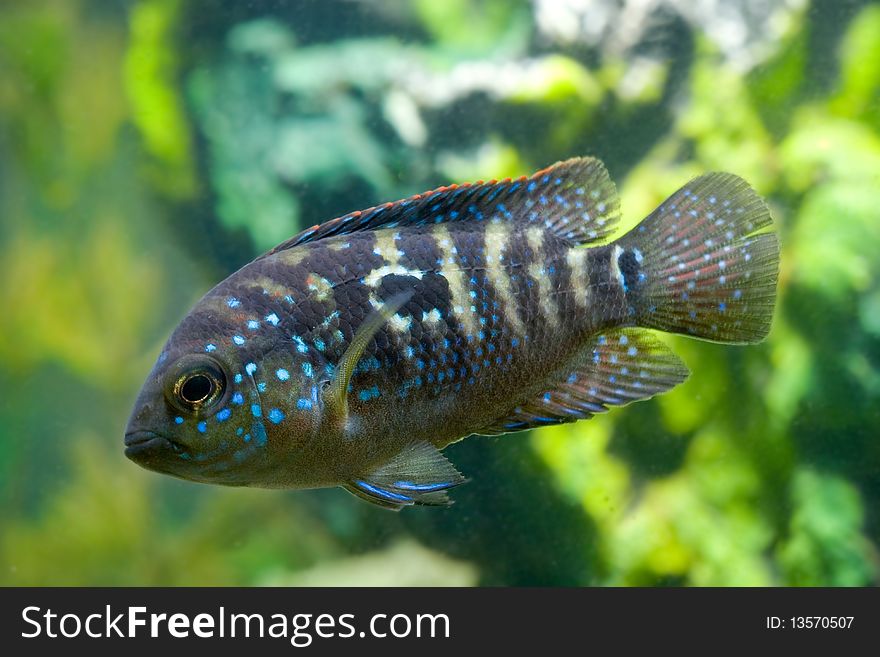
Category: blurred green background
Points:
column 149, row 148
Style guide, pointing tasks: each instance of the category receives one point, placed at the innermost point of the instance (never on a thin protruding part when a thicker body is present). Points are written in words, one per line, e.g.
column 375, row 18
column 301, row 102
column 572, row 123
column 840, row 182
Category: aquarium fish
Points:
column 354, row 352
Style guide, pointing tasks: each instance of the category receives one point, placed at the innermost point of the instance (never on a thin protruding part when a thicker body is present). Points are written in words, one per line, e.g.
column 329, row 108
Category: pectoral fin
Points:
column 418, row 474
column 335, row 395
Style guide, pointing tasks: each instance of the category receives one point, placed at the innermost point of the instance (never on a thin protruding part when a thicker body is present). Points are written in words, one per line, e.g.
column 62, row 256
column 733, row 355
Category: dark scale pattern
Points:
column 480, row 359
column 453, row 348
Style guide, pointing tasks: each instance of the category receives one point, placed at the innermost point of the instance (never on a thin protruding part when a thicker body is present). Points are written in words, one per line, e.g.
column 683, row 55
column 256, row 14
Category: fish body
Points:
column 353, row 353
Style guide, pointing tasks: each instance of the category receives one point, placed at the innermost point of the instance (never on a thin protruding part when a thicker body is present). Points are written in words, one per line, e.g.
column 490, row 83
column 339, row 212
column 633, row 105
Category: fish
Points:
column 353, row 353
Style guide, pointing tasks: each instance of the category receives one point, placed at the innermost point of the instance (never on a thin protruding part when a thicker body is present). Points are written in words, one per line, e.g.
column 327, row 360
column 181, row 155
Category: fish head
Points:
column 207, row 412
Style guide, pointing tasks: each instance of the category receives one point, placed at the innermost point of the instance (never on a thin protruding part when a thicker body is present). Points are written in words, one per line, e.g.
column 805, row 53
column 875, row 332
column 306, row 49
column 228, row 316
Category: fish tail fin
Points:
column 704, row 263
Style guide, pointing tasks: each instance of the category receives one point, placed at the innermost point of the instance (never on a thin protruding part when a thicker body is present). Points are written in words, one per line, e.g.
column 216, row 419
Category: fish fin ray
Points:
column 616, row 368
column 417, row 475
column 709, row 262
column 374, row 497
column 574, row 199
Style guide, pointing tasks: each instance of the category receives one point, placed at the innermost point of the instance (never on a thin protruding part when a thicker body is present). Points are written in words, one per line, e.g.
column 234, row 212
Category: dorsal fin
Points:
column 618, row 367
column 574, row 199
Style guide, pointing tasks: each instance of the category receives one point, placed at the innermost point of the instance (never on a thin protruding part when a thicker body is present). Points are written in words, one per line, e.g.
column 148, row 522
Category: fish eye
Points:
column 196, row 388
column 197, row 383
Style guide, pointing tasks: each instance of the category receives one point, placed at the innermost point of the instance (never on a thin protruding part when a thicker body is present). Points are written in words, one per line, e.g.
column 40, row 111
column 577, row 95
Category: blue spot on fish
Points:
column 259, row 432
column 224, row 415
column 282, row 374
column 371, row 393
column 202, row 426
column 210, row 347
column 250, row 368
column 304, row 404
column 276, row 415
column 272, row 318
column 256, row 410
column 307, row 369
column 238, row 339
column 178, row 420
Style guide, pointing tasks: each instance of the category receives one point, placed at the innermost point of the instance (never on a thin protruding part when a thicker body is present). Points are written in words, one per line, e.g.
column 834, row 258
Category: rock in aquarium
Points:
column 354, row 352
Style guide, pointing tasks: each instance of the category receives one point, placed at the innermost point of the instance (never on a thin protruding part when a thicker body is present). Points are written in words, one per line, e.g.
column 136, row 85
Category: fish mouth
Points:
column 143, row 446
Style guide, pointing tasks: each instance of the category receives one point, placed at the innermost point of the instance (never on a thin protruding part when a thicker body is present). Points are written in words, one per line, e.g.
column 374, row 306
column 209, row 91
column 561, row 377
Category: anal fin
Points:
column 417, row 475
column 618, row 367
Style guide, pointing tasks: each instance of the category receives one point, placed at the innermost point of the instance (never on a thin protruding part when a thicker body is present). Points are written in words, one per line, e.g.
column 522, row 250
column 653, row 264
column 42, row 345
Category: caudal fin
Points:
column 704, row 263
